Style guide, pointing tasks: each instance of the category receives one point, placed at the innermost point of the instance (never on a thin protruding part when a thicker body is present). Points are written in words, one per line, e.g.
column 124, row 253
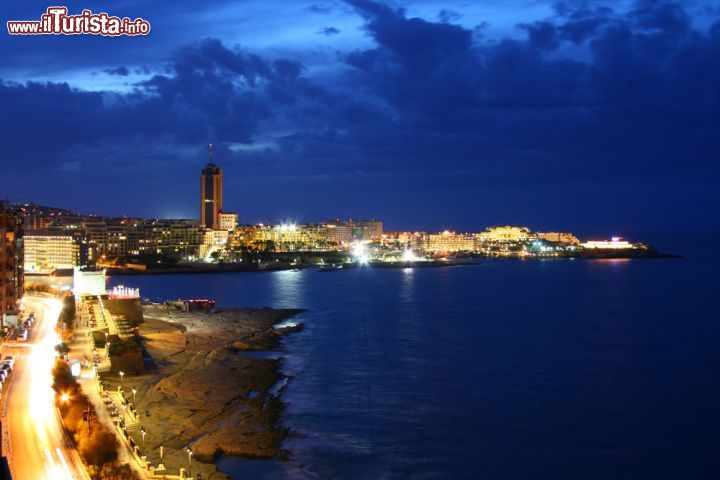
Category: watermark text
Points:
column 56, row 21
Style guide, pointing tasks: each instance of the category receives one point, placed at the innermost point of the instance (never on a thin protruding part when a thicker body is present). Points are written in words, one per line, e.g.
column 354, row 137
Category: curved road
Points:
column 39, row 449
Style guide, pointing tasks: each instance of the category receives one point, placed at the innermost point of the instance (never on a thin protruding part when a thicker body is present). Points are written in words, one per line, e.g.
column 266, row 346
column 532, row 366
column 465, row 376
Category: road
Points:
column 39, row 449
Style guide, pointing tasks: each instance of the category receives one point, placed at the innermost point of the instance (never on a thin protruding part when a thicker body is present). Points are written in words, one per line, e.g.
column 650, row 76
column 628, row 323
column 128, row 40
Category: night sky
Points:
column 596, row 117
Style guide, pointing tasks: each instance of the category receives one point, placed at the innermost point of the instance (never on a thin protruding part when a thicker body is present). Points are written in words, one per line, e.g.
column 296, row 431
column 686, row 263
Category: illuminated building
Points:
column 46, row 251
column 11, row 263
column 445, row 242
column 97, row 235
column 211, row 195
column 213, row 241
column 227, row 221
column 243, row 236
column 344, row 232
column 339, row 233
column 404, row 240
column 117, row 240
column 558, row 237
column 290, row 237
column 113, row 238
column 169, row 237
column 367, row 230
column 616, row 243
column 505, row 234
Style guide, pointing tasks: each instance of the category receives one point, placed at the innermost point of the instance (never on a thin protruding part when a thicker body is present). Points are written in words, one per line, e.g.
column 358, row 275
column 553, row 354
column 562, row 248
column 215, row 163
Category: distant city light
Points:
column 409, row 256
column 358, row 250
column 616, row 243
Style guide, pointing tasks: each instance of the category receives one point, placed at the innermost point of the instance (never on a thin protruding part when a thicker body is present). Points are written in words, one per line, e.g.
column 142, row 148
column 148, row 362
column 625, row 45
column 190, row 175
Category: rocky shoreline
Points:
column 201, row 391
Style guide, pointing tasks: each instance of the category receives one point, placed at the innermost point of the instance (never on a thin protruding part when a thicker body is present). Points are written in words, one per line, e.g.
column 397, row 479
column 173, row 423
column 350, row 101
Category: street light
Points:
column 64, row 397
column 122, row 406
column 134, row 392
column 142, row 430
column 189, row 452
column 122, row 374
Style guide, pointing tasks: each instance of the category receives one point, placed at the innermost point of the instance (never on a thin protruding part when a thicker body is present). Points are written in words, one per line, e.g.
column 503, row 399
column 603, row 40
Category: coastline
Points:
column 207, row 268
column 463, row 261
column 201, row 391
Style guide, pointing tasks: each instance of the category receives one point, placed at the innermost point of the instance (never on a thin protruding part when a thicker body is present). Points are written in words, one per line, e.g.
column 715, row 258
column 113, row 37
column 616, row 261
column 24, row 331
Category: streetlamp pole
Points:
column 189, row 452
column 142, row 430
column 122, row 374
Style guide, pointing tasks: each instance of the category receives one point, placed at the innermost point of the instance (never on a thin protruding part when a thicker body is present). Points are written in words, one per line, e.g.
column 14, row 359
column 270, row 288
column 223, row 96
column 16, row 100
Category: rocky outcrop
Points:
column 205, row 392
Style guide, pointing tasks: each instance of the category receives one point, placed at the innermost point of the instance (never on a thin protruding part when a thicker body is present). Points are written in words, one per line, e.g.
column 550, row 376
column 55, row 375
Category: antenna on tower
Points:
column 210, row 153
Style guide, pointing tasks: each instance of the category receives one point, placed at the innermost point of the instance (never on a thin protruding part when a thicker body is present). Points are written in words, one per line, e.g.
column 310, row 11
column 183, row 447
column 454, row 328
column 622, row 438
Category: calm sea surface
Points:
column 564, row 369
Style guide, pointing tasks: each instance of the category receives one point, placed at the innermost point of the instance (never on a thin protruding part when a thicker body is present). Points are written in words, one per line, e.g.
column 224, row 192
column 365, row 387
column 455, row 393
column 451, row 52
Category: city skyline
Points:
column 525, row 113
column 213, row 216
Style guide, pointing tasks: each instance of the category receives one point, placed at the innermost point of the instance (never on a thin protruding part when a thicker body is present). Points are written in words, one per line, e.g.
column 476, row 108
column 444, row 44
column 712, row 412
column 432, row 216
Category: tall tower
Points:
column 210, row 193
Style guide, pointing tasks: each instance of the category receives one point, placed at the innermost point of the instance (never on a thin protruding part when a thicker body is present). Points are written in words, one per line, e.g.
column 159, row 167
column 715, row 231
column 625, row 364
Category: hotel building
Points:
column 293, row 238
column 367, row 230
column 348, row 231
column 46, row 251
column 505, row 234
column 616, row 243
column 558, row 237
column 339, row 233
column 445, row 242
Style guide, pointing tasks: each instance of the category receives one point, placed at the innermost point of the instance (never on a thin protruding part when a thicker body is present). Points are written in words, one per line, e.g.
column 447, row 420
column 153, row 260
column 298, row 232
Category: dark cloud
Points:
column 118, row 71
column 621, row 102
column 542, row 35
column 329, row 31
column 412, row 39
column 320, row 8
column 664, row 16
column 447, row 16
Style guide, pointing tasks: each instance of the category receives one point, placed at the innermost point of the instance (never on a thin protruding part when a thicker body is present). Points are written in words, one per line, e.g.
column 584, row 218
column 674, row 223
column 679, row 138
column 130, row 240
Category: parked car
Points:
column 4, row 367
column 3, row 375
column 10, row 359
column 22, row 336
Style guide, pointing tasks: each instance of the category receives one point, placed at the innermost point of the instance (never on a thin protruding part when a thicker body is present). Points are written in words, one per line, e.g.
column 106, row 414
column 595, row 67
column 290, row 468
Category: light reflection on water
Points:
column 287, row 288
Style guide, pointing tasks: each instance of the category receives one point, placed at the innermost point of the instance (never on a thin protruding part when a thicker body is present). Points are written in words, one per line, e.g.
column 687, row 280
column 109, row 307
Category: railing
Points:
column 150, row 471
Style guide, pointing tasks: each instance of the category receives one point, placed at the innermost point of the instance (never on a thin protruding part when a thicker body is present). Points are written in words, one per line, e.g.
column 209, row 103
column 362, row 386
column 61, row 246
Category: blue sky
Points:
column 589, row 116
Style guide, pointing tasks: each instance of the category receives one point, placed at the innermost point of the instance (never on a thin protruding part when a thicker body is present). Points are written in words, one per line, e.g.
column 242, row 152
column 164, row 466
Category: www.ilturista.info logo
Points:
column 56, row 21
